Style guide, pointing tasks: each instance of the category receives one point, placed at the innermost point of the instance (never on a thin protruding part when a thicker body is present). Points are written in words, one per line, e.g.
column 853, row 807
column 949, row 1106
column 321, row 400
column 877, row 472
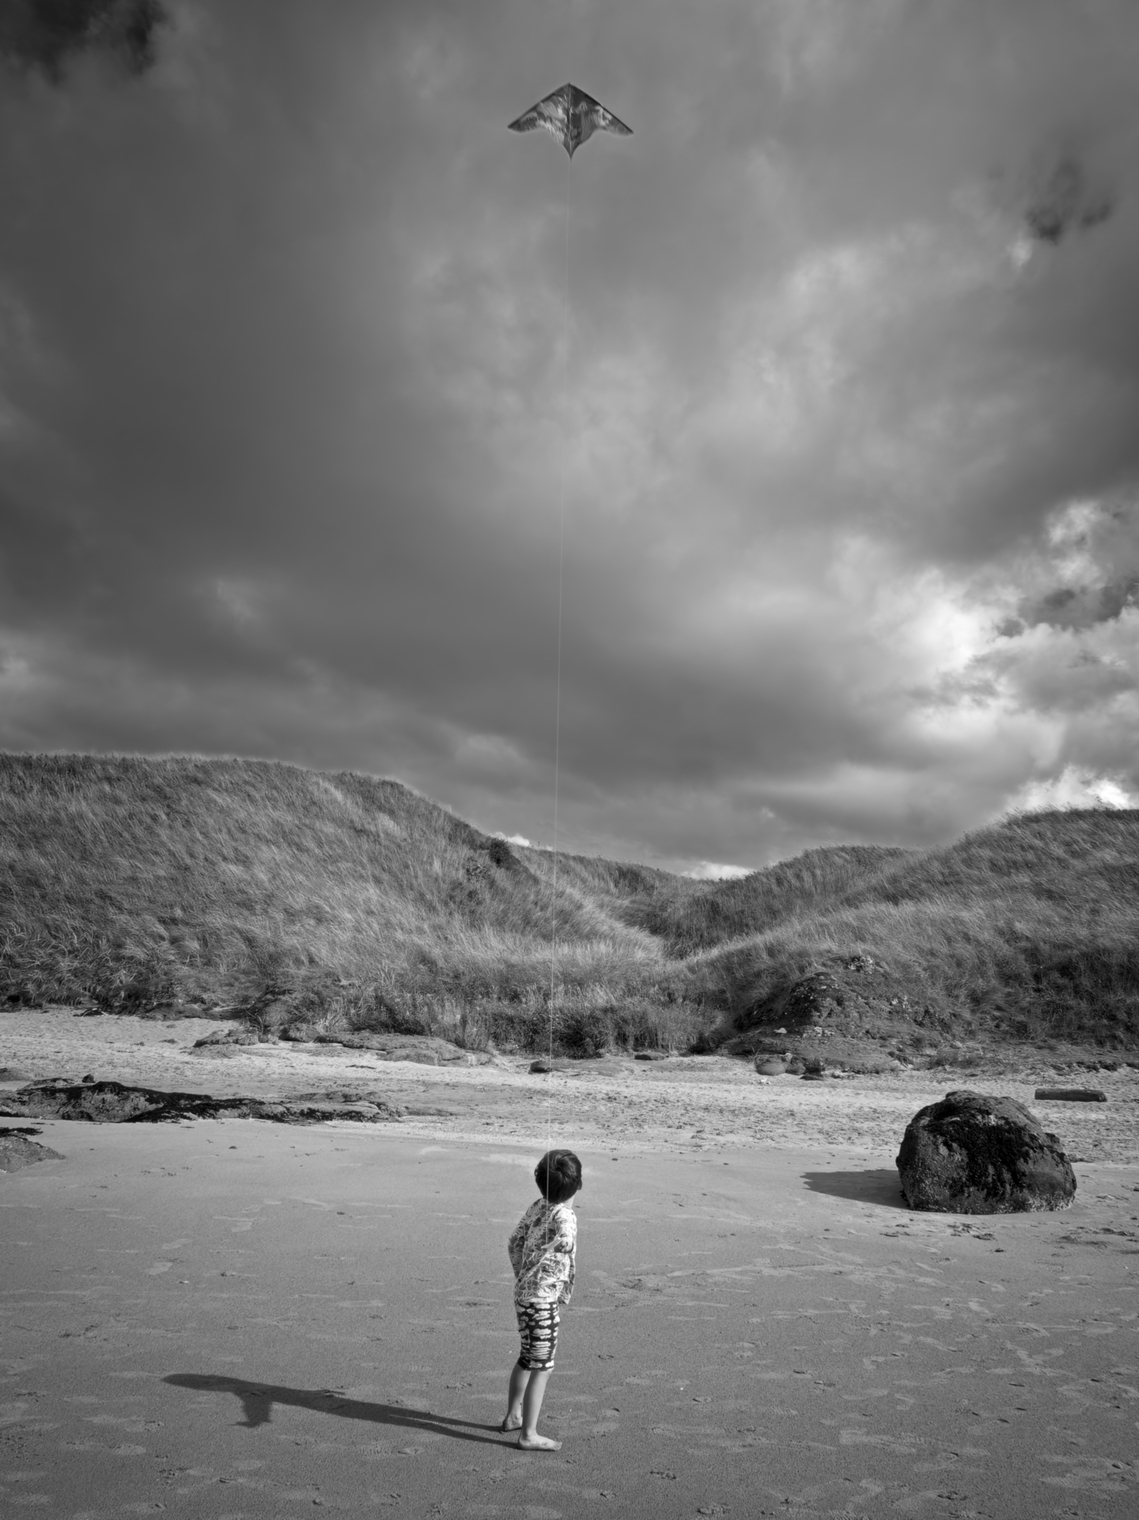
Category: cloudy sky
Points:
column 848, row 417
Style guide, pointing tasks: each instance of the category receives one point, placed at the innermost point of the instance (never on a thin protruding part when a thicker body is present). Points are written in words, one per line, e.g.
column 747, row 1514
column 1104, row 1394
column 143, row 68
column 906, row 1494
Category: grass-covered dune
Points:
column 329, row 900
column 131, row 881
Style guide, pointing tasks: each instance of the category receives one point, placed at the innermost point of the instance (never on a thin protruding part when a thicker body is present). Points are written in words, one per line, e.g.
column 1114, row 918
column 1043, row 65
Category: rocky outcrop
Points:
column 116, row 1103
column 385, row 1045
column 18, row 1151
column 855, row 1014
column 224, row 1041
column 422, row 1049
column 973, row 1154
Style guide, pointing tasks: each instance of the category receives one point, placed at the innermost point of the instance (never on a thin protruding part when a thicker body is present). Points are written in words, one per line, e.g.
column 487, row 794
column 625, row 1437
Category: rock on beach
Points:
column 973, row 1154
column 118, row 1103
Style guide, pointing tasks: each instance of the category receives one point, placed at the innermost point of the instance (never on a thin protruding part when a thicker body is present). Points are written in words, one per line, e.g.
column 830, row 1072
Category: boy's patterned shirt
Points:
column 542, row 1247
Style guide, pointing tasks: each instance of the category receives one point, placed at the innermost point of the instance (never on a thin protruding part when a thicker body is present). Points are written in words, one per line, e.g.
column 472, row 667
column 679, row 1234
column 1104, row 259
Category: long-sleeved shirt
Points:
column 543, row 1248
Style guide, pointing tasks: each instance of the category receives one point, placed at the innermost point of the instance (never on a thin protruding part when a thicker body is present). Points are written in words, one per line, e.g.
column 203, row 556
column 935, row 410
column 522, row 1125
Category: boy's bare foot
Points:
column 511, row 1422
column 538, row 1443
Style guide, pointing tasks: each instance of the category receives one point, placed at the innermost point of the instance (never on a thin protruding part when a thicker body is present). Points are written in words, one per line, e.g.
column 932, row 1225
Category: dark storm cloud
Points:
column 46, row 34
column 1064, row 202
column 282, row 409
column 1077, row 606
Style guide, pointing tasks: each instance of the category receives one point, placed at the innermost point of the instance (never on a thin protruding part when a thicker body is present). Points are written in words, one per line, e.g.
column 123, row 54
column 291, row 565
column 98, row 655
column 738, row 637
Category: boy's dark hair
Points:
column 558, row 1176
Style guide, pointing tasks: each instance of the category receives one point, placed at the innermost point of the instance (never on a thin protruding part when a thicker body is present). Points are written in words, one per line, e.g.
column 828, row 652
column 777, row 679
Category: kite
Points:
column 571, row 116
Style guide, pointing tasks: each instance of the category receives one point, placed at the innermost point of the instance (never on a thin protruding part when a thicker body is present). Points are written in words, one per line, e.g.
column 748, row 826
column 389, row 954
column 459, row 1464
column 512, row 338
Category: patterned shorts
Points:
column 538, row 1325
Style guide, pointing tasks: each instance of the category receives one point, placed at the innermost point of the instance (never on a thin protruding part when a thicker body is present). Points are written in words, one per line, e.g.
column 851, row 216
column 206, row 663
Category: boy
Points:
column 542, row 1251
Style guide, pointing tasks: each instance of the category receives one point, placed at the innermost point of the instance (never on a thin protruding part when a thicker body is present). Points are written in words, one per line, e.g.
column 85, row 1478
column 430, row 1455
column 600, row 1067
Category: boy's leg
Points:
column 531, row 1409
column 519, row 1377
column 543, row 1344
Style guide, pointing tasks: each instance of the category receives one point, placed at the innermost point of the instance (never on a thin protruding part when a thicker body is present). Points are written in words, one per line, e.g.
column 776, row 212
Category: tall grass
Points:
column 690, row 916
column 1026, row 930
column 342, row 900
column 129, row 882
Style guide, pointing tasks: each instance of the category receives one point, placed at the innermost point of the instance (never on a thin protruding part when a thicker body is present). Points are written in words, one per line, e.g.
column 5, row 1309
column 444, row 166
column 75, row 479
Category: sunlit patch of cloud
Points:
column 814, row 42
column 714, row 870
column 480, row 754
column 1020, row 252
column 191, row 68
column 432, row 61
column 238, row 600
column 18, row 676
column 1075, row 787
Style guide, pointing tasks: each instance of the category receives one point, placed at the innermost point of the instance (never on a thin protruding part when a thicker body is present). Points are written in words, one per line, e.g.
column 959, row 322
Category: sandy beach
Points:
column 234, row 1318
column 681, row 1105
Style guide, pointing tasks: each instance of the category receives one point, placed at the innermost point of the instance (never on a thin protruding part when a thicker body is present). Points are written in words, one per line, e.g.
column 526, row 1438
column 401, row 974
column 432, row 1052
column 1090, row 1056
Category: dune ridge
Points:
column 312, row 902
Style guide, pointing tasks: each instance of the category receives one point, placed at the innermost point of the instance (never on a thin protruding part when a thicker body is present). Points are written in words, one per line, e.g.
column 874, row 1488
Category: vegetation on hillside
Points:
column 322, row 901
column 1025, row 930
column 130, row 882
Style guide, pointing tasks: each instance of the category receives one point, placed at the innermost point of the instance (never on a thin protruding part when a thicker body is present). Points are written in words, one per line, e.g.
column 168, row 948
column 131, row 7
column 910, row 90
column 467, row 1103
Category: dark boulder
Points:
column 972, row 1154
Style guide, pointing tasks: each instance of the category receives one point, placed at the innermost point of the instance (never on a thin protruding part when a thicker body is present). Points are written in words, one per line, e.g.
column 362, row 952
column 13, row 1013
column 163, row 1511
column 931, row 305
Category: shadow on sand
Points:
column 879, row 1185
column 257, row 1400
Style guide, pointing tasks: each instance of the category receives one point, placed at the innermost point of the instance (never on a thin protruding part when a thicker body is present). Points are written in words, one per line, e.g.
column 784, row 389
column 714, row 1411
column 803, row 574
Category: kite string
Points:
column 558, row 677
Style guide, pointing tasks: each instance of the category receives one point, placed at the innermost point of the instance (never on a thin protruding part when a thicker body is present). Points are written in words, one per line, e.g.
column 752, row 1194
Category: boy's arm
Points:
column 567, row 1244
column 567, row 1287
column 515, row 1243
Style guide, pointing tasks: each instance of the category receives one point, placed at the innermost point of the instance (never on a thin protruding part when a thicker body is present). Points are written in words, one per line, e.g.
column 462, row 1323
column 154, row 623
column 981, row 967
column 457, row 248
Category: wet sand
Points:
column 233, row 1318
